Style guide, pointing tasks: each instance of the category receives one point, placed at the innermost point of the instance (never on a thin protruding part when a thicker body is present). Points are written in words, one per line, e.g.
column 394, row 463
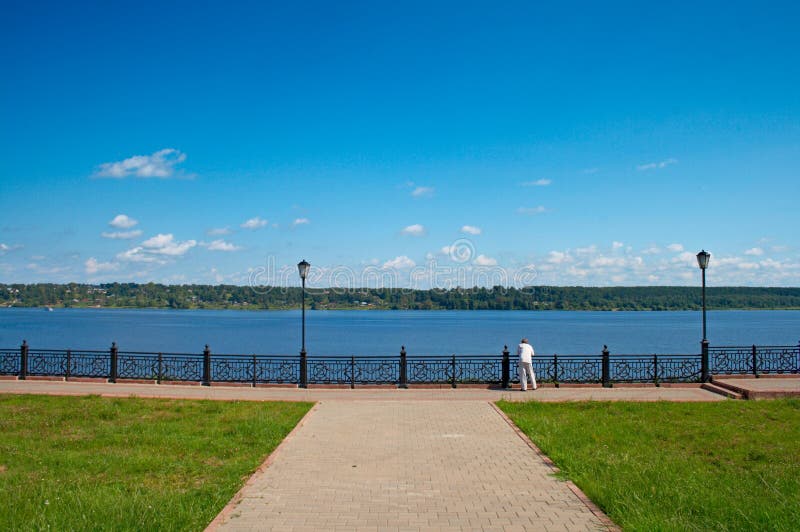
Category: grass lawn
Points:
column 92, row 463
column 733, row 465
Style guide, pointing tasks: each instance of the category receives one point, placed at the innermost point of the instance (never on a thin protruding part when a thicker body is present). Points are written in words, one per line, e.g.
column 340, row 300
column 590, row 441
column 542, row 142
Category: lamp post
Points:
column 302, row 268
column 702, row 261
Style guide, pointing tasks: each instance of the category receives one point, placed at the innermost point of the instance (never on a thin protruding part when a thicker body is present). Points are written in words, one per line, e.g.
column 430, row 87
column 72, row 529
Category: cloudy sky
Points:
column 436, row 145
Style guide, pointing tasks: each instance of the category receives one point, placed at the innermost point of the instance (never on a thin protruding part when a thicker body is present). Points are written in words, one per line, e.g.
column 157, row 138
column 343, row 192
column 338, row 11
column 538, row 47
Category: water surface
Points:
column 381, row 333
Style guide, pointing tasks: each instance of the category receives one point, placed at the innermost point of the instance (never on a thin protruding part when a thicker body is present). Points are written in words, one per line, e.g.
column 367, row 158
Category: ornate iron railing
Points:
column 755, row 360
column 9, row 361
column 401, row 371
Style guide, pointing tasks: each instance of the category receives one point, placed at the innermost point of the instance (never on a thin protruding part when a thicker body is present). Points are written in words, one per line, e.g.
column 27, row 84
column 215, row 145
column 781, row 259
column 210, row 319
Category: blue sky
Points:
column 568, row 143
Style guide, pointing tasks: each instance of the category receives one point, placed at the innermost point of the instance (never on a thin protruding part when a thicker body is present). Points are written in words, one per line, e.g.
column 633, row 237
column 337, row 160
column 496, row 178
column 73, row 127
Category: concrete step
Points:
column 716, row 388
column 730, row 387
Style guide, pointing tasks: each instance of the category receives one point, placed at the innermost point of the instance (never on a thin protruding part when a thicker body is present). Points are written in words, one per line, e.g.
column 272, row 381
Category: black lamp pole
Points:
column 704, row 305
column 705, row 368
column 302, row 268
column 303, row 311
column 702, row 261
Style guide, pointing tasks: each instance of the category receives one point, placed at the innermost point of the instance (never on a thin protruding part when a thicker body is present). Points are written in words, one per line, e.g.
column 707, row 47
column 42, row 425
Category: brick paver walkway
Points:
column 389, row 459
column 389, row 465
column 693, row 393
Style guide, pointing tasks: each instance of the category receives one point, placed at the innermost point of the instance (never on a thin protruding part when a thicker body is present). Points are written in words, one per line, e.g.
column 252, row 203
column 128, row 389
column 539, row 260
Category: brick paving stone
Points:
column 416, row 465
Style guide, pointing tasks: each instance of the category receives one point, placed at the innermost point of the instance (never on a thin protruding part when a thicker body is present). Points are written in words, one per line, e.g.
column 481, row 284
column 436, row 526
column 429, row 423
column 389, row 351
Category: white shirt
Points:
column 525, row 352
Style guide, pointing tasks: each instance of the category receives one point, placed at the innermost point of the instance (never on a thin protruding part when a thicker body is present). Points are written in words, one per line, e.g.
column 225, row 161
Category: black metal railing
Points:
column 754, row 360
column 401, row 371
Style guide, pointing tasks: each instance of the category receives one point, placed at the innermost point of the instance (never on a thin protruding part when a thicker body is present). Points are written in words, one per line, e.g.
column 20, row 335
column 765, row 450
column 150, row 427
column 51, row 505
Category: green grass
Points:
column 733, row 465
column 92, row 463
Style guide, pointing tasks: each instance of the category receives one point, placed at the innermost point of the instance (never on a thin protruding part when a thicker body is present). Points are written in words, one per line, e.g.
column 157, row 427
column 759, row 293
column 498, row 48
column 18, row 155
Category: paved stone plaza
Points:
column 421, row 465
column 390, row 459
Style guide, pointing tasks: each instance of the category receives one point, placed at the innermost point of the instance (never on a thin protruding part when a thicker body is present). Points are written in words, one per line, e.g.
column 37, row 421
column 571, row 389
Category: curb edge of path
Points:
column 600, row 514
column 237, row 498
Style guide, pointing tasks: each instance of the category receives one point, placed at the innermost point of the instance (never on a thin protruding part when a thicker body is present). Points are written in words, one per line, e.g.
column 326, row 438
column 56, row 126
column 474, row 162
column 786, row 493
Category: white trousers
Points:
column 526, row 368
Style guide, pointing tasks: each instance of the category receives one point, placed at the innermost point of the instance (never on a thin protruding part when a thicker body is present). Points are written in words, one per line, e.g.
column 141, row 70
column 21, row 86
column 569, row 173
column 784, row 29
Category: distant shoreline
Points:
column 375, row 309
column 234, row 297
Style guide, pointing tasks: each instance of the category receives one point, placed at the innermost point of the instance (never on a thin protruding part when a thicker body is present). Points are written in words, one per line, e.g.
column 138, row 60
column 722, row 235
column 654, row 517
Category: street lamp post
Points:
column 702, row 261
column 302, row 268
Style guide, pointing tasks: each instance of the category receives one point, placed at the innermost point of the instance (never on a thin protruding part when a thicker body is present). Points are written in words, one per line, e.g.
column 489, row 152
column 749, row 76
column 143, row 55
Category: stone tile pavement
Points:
column 392, row 465
column 544, row 393
column 766, row 387
column 390, row 459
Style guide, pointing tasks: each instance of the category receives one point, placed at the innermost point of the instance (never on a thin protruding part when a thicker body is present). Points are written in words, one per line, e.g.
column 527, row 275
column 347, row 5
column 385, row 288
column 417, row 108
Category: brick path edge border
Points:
column 600, row 514
column 234, row 502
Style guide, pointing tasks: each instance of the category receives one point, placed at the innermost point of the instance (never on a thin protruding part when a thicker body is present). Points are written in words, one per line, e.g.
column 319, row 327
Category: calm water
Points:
column 383, row 332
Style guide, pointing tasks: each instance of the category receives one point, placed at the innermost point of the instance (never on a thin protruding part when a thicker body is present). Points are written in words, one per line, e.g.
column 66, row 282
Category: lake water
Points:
column 381, row 333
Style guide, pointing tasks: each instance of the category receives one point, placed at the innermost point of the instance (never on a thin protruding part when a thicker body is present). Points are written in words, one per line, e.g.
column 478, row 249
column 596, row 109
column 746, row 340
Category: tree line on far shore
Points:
column 151, row 295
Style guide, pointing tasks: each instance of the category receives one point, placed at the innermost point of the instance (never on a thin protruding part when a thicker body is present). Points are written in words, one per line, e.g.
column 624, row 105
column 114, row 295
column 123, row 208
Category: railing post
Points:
column 112, row 374
column 69, row 364
column 352, row 372
column 606, row 368
column 506, row 372
column 23, row 360
column 555, row 370
column 206, row 366
column 303, row 370
column 705, row 372
column 255, row 368
column 403, row 367
column 755, row 361
column 655, row 369
column 160, row 366
column 453, row 370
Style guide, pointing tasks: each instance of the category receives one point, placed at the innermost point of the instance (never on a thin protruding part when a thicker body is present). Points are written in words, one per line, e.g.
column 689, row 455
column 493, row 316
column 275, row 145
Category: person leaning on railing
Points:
column 525, row 365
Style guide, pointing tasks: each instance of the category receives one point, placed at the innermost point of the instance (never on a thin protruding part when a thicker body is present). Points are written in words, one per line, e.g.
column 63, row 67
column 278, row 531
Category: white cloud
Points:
column 136, row 254
column 587, row 250
column 531, row 210
column 471, row 230
column 422, row 192
column 121, row 235
column 301, row 221
column 675, row 247
column 221, row 245
column 5, row 248
column 92, row 266
column 652, row 250
column 617, row 245
column 537, row 183
column 577, row 272
column 748, row 265
column 483, row 260
column 399, row 263
column 685, row 257
column 558, row 257
column 165, row 244
column 600, row 262
column 254, row 223
column 414, row 230
column 160, row 164
column 123, row 221
column 220, row 231
column 754, row 251
column 658, row 165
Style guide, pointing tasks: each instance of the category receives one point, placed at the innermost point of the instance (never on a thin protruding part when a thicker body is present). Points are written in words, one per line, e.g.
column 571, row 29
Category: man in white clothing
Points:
column 525, row 367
